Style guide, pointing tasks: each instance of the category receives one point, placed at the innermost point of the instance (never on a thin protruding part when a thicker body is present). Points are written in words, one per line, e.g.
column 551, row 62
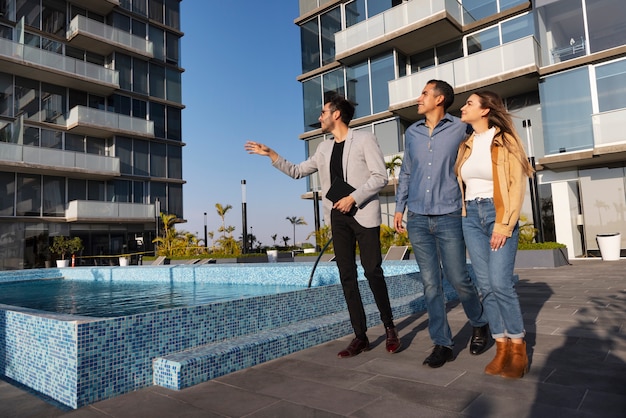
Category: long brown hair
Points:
column 500, row 118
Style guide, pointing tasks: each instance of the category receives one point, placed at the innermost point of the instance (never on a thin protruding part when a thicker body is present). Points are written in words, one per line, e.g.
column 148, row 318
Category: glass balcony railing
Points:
column 40, row 63
column 88, row 121
column 509, row 60
column 91, row 34
column 384, row 25
column 102, row 7
column 608, row 128
column 59, row 161
column 79, row 210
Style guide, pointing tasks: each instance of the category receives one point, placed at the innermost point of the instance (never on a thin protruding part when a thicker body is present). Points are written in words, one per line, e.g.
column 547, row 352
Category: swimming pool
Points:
column 77, row 360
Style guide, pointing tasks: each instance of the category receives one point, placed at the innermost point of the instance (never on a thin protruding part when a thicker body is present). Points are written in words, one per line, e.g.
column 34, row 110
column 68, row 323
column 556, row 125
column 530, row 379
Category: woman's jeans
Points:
column 439, row 249
column 493, row 270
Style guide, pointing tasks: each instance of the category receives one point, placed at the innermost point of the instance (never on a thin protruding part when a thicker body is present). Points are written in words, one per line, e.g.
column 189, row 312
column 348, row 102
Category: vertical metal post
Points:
column 316, row 215
column 206, row 243
column 532, row 180
column 157, row 216
column 244, row 218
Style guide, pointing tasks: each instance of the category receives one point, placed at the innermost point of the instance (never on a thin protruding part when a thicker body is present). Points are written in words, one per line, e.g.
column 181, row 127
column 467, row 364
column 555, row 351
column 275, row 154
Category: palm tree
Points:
column 286, row 241
column 391, row 165
column 221, row 211
column 274, row 239
column 295, row 220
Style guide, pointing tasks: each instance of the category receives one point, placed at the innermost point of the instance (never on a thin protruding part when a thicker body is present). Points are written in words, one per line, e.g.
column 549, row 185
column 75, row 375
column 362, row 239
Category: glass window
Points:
column 31, row 136
column 383, row 71
column 29, row 9
column 172, row 48
column 312, row 98
column 96, row 102
column 389, row 137
column 517, row 28
column 122, row 191
column 174, row 128
column 157, row 115
column 449, row 52
column 564, row 34
column 140, row 76
column 53, row 17
column 359, row 89
column 611, row 85
column 76, row 189
column 139, row 192
column 139, row 29
column 27, row 98
column 483, row 40
column 74, row 142
column 96, row 190
column 124, row 151
column 53, row 101
column 7, row 10
column 607, row 22
column 355, row 12
column 158, row 167
column 422, row 60
column 375, row 7
column 141, row 158
column 157, row 81
column 123, row 64
column 121, row 104
column 310, row 46
column 157, row 37
column 507, row 4
column 53, row 196
column 140, row 109
column 334, row 81
column 119, row 21
column 330, row 23
column 140, row 7
column 158, row 191
column 175, row 200
column 6, row 133
column 156, row 11
column 28, row 195
column 96, row 146
column 565, row 111
column 174, row 162
column 7, row 193
column 173, row 85
column 172, row 13
column 474, row 10
column 6, row 94
column 51, row 139
column 77, row 98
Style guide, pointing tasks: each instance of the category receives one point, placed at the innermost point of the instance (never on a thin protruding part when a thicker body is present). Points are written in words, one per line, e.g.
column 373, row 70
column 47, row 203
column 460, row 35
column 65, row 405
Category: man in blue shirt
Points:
column 429, row 190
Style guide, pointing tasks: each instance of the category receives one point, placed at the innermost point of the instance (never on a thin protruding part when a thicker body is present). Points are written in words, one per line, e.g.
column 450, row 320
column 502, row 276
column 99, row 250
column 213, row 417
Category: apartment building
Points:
column 90, row 125
column 560, row 66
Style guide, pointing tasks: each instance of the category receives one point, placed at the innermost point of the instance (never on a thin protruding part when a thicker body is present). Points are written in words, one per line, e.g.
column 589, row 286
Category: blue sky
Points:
column 241, row 60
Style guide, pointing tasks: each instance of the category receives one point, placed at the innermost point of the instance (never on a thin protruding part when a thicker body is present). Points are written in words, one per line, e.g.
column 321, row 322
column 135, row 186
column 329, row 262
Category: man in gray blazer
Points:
column 353, row 157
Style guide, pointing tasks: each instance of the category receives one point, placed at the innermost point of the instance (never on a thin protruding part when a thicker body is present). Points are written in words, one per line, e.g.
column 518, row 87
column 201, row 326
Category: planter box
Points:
column 541, row 258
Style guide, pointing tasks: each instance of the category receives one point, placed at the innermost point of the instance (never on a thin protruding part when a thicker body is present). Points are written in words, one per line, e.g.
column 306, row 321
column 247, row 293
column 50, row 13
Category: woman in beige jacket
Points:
column 492, row 169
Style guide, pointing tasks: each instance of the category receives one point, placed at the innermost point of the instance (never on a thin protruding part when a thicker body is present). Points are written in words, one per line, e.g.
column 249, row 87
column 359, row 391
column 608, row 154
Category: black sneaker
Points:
column 439, row 356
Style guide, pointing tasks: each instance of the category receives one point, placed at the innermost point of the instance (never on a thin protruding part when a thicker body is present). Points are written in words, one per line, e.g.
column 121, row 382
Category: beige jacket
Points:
column 509, row 183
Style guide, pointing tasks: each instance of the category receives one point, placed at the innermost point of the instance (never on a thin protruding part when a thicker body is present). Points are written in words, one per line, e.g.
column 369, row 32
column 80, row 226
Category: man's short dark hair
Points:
column 446, row 90
column 340, row 103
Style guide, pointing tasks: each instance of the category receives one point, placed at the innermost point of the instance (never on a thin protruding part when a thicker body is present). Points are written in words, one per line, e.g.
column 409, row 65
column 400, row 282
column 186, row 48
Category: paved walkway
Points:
column 575, row 318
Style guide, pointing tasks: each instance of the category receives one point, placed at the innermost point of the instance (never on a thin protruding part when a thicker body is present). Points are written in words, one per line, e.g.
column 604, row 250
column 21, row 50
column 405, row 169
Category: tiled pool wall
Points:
column 80, row 360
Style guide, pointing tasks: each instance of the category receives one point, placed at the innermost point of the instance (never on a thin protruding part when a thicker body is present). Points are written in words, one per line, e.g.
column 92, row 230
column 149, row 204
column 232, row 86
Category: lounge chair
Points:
column 327, row 257
column 159, row 261
column 206, row 261
column 397, row 252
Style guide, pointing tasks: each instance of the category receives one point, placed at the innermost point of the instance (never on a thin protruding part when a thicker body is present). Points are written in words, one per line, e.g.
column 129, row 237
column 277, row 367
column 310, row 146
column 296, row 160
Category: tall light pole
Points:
column 206, row 244
column 244, row 218
column 157, row 215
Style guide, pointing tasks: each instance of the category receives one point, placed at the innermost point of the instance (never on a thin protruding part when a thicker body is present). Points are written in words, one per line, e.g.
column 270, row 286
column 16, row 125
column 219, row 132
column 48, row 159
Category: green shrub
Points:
column 550, row 245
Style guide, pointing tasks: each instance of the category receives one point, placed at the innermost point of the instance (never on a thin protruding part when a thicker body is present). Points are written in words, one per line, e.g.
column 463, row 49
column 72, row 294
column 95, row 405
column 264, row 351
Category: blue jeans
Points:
column 439, row 249
column 494, row 270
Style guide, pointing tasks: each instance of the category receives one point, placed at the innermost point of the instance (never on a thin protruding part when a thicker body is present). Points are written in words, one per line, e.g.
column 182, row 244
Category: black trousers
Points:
column 346, row 233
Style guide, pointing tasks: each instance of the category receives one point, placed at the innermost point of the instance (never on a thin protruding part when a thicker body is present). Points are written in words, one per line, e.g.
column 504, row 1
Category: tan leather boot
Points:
column 518, row 362
column 500, row 360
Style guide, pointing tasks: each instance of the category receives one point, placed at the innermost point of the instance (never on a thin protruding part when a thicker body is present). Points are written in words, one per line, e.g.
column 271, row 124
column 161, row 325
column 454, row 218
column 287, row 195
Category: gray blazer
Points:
column 363, row 168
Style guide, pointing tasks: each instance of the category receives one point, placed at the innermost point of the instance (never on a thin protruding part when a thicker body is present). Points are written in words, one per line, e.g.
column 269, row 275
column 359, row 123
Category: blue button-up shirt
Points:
column 427, row 184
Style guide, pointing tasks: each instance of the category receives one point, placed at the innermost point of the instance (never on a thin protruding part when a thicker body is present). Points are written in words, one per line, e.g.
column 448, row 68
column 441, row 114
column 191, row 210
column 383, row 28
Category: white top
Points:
column 477, row 171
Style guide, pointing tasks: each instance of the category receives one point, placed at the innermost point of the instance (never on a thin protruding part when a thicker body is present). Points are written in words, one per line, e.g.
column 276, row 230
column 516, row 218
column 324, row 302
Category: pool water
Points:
column 123, row 298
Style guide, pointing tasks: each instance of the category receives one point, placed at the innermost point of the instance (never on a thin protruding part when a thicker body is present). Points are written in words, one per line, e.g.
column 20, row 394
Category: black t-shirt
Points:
column 336, row 165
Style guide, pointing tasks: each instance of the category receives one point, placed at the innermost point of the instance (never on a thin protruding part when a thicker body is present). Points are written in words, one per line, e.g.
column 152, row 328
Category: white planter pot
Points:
column 123, row 261
column 610, row 245
column 63, row 263
column 272, row 256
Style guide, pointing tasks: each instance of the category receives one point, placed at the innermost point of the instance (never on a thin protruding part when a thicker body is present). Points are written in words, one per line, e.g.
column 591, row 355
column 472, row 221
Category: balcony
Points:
column 96, row 211
column 93, row 122
column 438, row 21
column 498, row 65
column 608, row 128
column 102, row 7
column 42, row 65
column 95, row 36
column 55, row 162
